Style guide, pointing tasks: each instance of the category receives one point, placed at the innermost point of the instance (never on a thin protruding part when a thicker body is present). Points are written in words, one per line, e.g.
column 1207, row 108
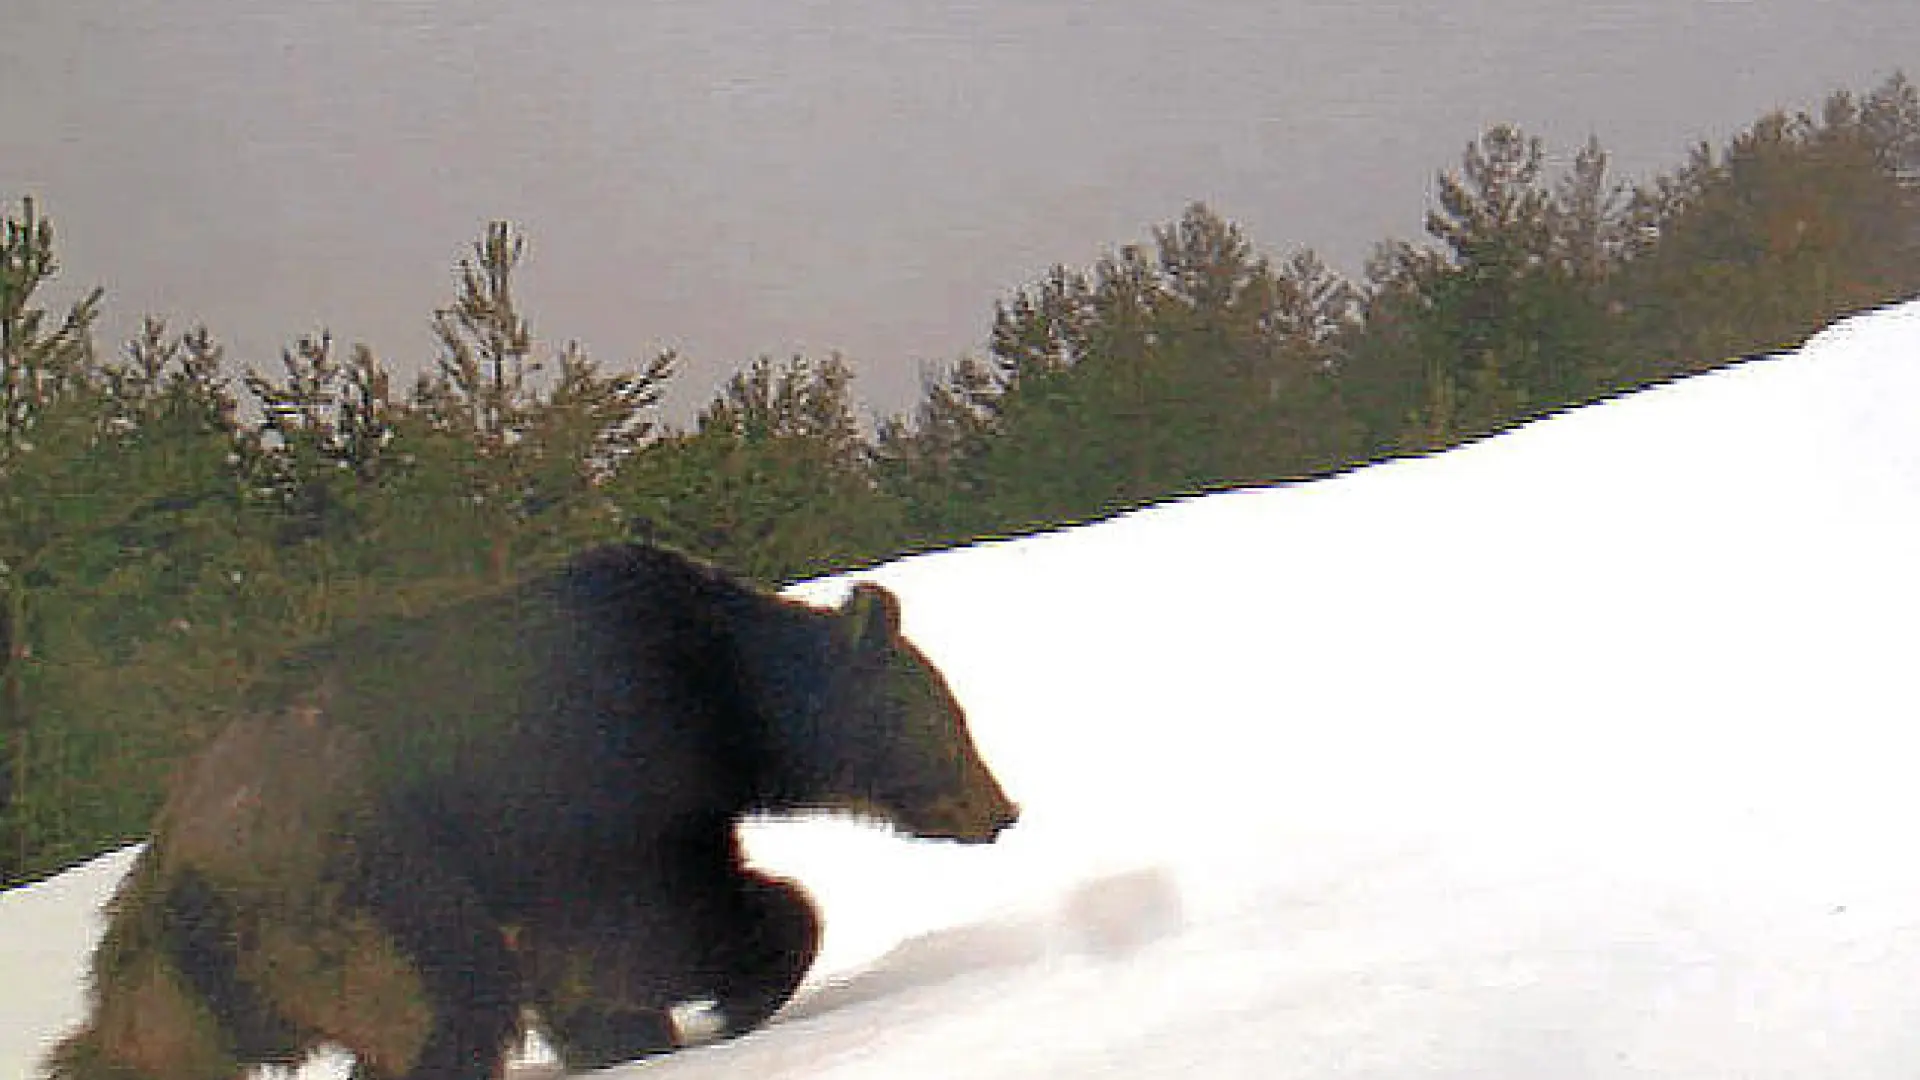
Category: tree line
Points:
column 170, row 521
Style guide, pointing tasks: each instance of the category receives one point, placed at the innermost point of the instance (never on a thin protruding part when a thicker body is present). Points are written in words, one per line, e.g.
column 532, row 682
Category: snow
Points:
column 1584, row 750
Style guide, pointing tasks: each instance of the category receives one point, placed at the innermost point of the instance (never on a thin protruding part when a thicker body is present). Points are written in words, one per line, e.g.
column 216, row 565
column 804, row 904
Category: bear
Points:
column 418, row 830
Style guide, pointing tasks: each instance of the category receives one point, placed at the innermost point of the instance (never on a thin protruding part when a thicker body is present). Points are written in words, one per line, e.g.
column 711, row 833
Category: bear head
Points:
column 896, row 746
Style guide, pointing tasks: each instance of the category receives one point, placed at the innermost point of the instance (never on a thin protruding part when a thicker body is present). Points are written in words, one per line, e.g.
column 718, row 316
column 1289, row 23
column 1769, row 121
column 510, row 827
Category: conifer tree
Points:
column 478, row 400
column 1799, row 218
column 524, row 464
column 45, row 371
column 1162, row 371
column 1508, row 317
column 774, row 480
column 326, row 427
column 930, row 462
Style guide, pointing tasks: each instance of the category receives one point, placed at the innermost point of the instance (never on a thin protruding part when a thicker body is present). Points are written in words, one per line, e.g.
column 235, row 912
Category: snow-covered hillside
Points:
column 1587, row 750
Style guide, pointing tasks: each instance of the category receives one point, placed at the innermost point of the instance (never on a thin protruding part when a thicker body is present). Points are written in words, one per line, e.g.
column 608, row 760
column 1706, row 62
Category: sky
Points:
column 1581, row 751
column 739, row 177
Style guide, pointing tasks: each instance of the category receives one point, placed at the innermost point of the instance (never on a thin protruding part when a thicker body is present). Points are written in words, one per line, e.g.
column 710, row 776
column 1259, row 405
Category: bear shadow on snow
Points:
column 422, row 827
column 1109, row 918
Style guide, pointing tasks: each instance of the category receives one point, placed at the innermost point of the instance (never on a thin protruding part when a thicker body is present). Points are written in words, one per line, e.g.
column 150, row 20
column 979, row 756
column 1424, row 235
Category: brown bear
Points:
column 423, row 827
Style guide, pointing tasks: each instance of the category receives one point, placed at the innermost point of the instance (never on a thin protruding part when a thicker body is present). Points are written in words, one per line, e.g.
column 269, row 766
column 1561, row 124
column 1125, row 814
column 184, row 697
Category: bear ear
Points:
column 872, row 615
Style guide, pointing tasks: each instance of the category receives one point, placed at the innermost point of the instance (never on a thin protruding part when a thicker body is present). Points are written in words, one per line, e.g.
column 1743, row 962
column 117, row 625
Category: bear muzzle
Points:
column 972, row 818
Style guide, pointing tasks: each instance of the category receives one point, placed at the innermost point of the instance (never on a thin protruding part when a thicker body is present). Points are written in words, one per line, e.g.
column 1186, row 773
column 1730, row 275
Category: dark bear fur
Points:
column 426, row 826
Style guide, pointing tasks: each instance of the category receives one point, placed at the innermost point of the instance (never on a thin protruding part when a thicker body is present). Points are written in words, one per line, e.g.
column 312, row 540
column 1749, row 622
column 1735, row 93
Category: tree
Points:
column 1190, row 365
column 591, row 423
column 490, row 455
column 127, row 514
column 1799, row 218
column 774, row 481
column 1495, row 219
column 326, row 426
column 1508, row 316
column 479, row 399
column 43, row 370
column 146, row 604
column 930, row 461
column 170, row 458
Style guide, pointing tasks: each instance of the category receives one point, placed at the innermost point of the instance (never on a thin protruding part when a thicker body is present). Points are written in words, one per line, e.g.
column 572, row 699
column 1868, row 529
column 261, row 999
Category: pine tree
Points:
column 1494, row 220
column 144, row 609
column 480, row 397
column 492, row 456
column 1160, row 371
column 44, row 373
column 930, row 462
column 326, row 430
column 1508, row 317
column 1798, row 219
column 774, row 481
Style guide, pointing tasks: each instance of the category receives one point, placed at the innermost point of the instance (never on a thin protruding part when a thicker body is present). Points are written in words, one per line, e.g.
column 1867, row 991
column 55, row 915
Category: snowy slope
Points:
column 45, row 933
column 1582, row 751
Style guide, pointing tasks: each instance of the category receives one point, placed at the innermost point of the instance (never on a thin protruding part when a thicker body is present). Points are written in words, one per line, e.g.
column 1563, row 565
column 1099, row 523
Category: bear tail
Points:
column 147, row 1018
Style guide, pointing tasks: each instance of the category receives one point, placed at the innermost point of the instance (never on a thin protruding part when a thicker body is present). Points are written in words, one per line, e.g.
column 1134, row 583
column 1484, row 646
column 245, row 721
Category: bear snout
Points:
column 1008, row 818
column 980, row 820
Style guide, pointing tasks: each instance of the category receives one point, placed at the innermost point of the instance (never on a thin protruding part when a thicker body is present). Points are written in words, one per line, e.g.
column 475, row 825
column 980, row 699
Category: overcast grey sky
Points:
column 733, row 177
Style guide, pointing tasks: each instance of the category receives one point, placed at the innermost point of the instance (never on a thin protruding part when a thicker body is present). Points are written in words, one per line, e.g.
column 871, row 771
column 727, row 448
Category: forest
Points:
column 172, row 519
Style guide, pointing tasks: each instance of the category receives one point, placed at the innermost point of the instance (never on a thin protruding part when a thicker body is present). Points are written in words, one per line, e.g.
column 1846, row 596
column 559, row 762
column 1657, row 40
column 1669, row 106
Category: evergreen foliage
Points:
column 773, row 481
column 1798, row 217
column 1194, row 364
column 1506, row 317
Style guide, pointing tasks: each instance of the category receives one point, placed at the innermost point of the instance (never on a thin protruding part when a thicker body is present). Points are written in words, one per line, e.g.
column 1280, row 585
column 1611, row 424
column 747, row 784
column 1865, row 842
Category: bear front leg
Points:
column 762, row 958
column 604, row 969
column 595, row 1036
column 467, row 974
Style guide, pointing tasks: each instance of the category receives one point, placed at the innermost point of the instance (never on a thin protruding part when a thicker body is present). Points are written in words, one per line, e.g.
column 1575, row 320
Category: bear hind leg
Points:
column 201, row 940
column 153, row 1015
column 147, row 1023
